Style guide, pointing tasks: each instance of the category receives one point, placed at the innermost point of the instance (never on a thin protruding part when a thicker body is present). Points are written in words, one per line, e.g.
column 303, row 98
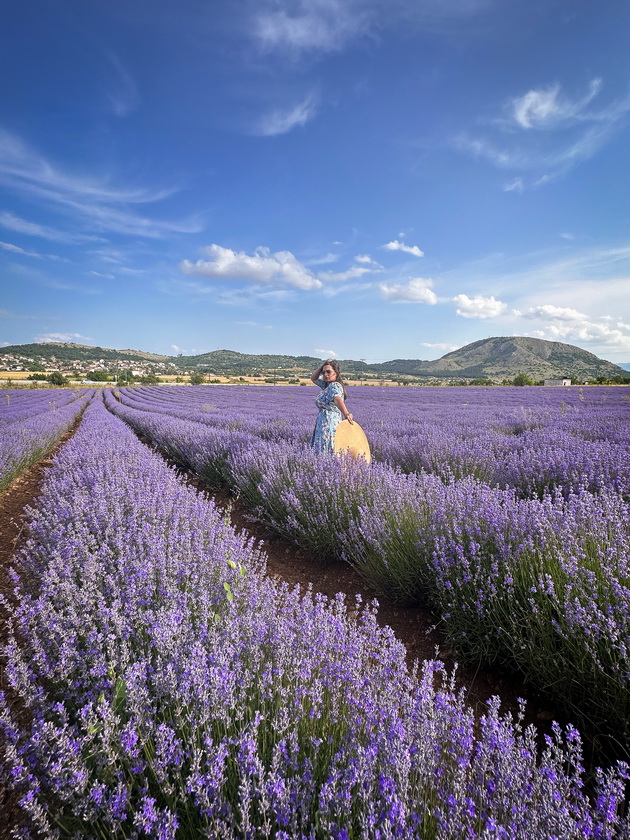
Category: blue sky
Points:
column 359, row 178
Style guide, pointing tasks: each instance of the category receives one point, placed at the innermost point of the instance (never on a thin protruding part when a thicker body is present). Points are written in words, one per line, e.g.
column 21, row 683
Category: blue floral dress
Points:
column 329, row 416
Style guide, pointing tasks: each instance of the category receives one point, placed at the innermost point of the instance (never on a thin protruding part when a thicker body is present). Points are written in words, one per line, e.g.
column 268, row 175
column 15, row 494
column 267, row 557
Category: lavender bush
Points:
column 31, row 425
column 173, row 691
column 523, row 576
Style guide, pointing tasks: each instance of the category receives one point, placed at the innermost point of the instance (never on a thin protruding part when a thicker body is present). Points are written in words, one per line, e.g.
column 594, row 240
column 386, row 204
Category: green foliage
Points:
column 38, row 377
column 197, row 379
column 150, row 379
column 57, row 379
column 522, row 379
column 100, row 376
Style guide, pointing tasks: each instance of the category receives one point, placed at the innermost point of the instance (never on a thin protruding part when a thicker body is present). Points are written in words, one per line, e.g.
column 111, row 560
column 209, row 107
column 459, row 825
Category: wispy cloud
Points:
column 479, row 306
column 514, row 186
column 546, row 132
column 417, row 290
column 396, row 245
column 262, row 267
column 90, row 201
column 549, row 107
column 100, row 274
column 325, row 260
column 299, row 28
column 46, row 338
column 327, row 354
column 122, row 91
column 283, row 120
column 15, row 249
column 12, row 222
column 310, row 26
column 351, row 273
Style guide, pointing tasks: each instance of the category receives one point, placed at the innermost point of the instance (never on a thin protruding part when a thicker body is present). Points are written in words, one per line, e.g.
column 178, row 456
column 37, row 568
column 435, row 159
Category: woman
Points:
column 331, row 405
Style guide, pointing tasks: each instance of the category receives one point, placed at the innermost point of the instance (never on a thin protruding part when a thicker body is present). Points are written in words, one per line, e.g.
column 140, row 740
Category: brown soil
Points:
column 414, row 627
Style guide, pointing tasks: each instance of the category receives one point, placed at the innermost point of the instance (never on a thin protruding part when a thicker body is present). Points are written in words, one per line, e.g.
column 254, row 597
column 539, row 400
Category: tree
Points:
column 99, row 376
column 522, row 379
column 57, row 379
column 150, row 379
column 197, row 378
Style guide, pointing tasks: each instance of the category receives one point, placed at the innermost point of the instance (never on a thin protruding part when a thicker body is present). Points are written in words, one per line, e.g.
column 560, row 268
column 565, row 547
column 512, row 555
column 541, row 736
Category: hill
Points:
column 504, row 357
column 82, row 352
column 498, row 359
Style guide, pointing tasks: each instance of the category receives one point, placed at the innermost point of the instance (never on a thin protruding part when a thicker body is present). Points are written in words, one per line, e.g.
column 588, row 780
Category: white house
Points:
column 558, row 382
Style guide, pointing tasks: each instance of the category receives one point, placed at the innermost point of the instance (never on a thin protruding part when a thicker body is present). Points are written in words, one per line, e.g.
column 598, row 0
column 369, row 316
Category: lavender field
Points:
column 173, row 690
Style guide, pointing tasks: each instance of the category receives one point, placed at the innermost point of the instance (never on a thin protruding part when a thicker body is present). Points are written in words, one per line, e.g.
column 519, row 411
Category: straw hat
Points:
column 350, row 440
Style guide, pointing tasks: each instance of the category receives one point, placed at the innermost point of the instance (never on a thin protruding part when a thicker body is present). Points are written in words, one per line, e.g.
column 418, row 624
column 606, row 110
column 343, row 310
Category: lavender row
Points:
column 19, row 405
column 538, row 585
column 24, row 441
column 533, row 440
column 173, row 691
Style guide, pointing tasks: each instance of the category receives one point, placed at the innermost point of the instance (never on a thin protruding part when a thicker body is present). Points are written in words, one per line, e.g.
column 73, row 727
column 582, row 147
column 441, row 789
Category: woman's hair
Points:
column 335, row 366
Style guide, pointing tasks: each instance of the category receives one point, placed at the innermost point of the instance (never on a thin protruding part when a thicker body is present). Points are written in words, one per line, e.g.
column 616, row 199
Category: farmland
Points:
column 160, row 684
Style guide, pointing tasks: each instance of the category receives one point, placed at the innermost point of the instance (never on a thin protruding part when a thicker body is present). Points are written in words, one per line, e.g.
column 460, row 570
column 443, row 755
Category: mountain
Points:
column 504, row 357
column 492, row 358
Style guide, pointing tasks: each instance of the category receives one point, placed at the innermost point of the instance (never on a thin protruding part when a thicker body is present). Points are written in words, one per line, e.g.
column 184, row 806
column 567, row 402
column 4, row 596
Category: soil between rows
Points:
column 415, row 627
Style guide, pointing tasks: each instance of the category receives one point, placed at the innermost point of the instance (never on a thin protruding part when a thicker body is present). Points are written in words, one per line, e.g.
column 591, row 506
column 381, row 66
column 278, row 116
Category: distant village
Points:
column 77, row 367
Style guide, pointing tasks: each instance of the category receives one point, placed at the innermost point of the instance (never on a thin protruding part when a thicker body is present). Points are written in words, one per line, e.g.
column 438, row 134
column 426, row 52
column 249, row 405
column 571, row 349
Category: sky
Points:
column 360, row 179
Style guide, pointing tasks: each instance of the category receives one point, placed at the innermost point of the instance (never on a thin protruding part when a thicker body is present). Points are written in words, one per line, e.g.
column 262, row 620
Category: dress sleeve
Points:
column 320, row 383
column 336, row 390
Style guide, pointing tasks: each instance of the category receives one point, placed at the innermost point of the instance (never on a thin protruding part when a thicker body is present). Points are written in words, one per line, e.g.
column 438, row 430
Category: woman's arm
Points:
column 316, row 374
column 342, row 408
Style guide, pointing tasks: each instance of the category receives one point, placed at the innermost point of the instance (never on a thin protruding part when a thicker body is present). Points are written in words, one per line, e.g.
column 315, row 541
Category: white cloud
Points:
column 547, row 311
column 479, row 306
column 327, row 354
column 349, row 274
column 599, row 335
column 104, row 276
column 396, row 245
column 417, row 290
column 366, row 259
column 283, row 120
column 15, row 249
column 325, row 260
column 570, row 325
column 548, row 108
column 193, row 351
column 439, row 345
column 302, row 26
column 263, row 267
column 63, row 337
column 356, row 289
column 7, row 246
column 514, row 186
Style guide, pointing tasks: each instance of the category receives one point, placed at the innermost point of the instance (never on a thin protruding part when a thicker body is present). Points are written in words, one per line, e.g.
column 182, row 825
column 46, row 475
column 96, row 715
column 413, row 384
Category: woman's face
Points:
column 329, row 373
